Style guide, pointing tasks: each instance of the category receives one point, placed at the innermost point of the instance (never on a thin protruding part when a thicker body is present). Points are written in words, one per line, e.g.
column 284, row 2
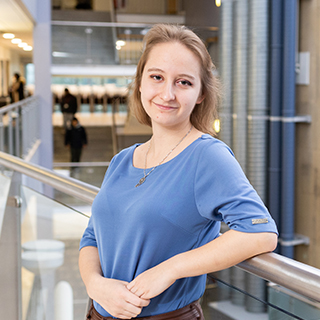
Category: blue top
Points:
column 178, row 208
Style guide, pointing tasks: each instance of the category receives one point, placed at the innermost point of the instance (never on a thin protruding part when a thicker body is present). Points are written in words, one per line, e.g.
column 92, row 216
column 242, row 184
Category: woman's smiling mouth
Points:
column 164, row 107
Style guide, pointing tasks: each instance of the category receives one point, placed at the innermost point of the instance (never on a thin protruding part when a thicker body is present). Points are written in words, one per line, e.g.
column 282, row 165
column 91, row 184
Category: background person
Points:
column 75, row 139
column 154, row 230
column 69, row 107
column 17, row 88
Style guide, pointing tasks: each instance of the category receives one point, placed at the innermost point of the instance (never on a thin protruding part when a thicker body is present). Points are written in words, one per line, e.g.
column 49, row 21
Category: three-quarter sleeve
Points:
column 223, row 193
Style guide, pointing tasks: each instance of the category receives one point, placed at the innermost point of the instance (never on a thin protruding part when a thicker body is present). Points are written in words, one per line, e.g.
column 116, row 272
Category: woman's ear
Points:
column 200, row 98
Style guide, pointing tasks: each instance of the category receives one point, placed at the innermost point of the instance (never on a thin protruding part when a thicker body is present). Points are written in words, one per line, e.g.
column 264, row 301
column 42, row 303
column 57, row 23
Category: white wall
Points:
column 101, row 5
column 31, row 5
column 4, row 53
column 15, row 65
column 4, row 57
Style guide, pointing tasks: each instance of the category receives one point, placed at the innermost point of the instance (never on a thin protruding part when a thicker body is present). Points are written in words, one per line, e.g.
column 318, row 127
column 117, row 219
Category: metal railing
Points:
column 70, row 186
column 293, row 275
column 19, row 127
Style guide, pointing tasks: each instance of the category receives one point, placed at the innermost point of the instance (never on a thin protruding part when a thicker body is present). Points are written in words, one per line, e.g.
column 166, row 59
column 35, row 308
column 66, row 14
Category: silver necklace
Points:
column 143, row 179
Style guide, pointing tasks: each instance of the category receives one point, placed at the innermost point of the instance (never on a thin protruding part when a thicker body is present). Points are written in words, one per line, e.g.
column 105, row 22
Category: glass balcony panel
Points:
column 82, row 45
column 94, row 43
column 292, row 302
column 241, row 298
column 18, row 130
column 50, row 235
column 4, row 143
column 4, row 191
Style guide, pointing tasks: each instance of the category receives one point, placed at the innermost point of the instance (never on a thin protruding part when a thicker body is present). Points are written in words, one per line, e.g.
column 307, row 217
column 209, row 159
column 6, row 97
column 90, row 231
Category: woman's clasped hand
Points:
column 114, row 296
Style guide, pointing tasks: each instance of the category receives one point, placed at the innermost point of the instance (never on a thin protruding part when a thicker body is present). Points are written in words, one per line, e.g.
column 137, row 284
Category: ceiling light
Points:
column 120, row 43
column 8, row 35
column 27, row 48
column 218, row 3
column 22, row 44
column 16, row 40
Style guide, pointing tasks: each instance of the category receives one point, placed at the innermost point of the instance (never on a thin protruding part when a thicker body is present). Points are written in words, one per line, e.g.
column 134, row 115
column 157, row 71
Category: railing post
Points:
column 17, row 132
column 10, row 133
column 1, row 133
column 114, row 127
column 10, row 253
column 24, row 132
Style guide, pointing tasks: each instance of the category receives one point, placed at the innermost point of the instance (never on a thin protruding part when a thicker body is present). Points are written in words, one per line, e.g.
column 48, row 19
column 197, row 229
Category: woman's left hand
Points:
column 152, row 282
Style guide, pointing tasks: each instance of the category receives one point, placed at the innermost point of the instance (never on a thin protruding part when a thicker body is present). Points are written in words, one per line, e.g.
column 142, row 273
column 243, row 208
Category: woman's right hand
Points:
column 115, row 298
column 111, row 294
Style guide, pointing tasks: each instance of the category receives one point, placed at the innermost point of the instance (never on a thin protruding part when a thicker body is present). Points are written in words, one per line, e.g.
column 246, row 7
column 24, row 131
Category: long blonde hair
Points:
column 204, row 113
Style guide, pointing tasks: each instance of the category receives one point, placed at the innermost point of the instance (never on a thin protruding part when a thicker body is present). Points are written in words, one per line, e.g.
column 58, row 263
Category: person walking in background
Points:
column 75, row 139
column 17, row 89
column 69, row 107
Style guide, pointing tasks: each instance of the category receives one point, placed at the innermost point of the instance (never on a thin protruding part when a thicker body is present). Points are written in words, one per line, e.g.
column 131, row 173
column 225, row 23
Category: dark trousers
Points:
column 75, row 154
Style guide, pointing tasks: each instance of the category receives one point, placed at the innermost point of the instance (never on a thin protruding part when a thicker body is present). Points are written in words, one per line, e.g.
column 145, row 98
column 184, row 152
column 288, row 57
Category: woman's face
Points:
column 171, row 85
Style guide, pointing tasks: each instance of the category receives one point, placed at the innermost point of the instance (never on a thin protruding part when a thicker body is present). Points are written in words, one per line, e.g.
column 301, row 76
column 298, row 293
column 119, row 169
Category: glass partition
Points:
column 18, row 130
column 4, row 191
column 229, row 297
column 103, row 43
column 50, row 235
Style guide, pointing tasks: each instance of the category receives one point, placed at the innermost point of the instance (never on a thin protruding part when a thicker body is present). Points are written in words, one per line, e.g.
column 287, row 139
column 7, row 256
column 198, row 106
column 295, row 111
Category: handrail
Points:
column 294, row 275
column 15, row 105
column 70, row 186
column 291, row 274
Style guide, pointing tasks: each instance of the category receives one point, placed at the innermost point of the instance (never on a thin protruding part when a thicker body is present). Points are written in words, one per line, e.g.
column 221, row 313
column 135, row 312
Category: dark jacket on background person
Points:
column 69, row 103
column 76, row 137
column 17, row 89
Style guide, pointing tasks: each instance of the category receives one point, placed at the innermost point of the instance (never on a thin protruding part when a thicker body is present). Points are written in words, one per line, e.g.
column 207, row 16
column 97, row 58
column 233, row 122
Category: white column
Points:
column 42, row 63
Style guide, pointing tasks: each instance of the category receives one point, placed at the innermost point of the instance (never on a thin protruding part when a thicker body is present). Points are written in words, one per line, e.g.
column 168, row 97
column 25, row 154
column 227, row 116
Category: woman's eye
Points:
column 156, row 77
column 185, row 82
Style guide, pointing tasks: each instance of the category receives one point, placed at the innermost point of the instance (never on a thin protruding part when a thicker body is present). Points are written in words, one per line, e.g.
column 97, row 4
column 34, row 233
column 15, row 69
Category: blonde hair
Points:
column 204, row 113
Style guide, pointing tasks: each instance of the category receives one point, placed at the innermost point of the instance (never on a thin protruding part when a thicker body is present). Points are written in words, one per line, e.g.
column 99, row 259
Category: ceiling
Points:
column 15, row 18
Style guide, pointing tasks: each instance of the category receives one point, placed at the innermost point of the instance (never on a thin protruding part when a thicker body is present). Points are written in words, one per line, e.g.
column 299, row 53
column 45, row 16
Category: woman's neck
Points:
column 166, row 139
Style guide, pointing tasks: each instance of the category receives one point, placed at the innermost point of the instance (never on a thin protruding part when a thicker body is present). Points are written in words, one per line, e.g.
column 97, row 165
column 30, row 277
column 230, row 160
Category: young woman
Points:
column 154, row 230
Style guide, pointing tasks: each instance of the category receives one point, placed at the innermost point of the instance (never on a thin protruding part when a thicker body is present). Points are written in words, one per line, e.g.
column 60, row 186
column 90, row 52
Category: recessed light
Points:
column 27, row 48
column 8, row 35
column 22, row 44
column 16, row 40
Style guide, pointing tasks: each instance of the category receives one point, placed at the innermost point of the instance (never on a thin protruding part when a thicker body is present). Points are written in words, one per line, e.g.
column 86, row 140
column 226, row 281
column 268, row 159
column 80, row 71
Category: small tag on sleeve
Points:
column 259, row 221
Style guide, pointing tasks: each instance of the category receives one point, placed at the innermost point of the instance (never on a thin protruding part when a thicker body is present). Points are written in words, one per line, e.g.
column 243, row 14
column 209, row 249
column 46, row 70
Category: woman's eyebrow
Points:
column 154, row 69
column 184, row 75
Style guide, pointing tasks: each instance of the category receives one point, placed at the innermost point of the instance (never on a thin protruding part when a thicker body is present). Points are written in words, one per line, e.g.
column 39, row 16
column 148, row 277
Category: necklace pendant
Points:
column 141, row 181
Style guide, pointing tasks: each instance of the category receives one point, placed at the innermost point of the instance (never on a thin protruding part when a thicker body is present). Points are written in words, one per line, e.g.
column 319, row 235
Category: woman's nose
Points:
column 167, row 93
